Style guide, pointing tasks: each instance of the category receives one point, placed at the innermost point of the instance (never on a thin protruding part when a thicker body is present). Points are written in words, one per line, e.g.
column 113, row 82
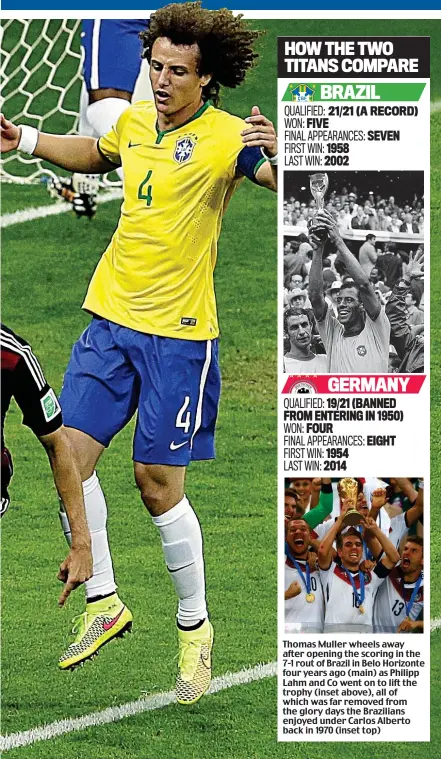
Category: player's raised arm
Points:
column 70, row 152
column 416, row 497
column 378, row 500
column 325, row 553
column 316, row 486
column 316, row 291
column 391, row 556
column 352, row 266
column 261, row 134
column 402, row 335
column 407, row 488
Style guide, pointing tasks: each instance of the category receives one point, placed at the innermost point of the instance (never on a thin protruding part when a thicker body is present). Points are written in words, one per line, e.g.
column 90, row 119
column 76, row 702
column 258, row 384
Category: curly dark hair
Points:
column 224, row 40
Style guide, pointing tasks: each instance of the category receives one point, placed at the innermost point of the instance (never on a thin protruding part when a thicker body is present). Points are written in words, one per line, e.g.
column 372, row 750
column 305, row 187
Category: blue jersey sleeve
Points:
column 249, row 161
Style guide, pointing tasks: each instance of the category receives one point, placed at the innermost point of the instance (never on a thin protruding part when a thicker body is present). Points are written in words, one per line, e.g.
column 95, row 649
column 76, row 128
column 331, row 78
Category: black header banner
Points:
column 354, row 57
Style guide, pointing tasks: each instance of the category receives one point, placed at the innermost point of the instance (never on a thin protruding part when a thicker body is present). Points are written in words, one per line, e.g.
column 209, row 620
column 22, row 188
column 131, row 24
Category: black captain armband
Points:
column 380, row 570
column 249, row 161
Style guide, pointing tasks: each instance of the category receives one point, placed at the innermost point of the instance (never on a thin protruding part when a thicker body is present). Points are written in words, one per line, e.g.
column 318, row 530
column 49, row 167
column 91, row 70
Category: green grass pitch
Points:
column 46, row 267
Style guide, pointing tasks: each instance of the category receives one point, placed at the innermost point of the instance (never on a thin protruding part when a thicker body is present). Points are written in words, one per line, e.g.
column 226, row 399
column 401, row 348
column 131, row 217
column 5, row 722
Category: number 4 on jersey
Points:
column 141, row 194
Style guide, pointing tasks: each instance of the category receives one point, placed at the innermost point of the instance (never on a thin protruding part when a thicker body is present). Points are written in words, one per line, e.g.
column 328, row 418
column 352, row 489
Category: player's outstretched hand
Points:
column 260, row 133
column 74, row 570
column 10, row 135
column 415, row 268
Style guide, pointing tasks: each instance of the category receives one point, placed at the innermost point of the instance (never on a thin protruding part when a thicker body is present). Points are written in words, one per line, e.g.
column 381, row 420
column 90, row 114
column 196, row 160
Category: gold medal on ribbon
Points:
column 361, row 609
column 310, row 597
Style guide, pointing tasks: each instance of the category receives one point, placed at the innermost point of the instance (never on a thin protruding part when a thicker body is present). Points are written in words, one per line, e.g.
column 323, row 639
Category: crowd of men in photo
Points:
column 354, row 306
column 354, row 555
column 369, row 211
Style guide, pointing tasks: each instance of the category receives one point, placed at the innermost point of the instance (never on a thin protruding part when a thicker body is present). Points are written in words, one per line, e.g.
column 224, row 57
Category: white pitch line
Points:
column 116, row 713
column 148, row 704
column 42, row 212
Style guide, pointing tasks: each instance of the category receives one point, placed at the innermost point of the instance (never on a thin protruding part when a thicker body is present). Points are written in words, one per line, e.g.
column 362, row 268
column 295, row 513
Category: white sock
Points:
column 102, row 582
column 102, row 115
column 182, row 545
column 84, row 128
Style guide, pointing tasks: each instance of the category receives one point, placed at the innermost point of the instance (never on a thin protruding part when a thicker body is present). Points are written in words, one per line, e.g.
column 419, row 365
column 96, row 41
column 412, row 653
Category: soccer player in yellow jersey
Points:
column 151, row 346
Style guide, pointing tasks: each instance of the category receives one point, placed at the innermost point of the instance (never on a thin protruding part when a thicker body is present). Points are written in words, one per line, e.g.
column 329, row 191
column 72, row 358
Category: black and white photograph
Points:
column 353, row 269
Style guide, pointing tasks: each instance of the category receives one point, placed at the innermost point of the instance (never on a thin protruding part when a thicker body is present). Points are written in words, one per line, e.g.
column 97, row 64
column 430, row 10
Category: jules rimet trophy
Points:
column 318, row 184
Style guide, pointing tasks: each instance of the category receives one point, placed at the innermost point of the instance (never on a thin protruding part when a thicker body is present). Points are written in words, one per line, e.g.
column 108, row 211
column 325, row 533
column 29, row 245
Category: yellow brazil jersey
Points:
column 156, row 275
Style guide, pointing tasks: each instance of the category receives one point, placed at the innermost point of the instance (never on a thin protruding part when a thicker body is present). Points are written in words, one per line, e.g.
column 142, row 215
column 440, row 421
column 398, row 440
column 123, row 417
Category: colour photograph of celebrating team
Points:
column 353, row 269
column 354, row 555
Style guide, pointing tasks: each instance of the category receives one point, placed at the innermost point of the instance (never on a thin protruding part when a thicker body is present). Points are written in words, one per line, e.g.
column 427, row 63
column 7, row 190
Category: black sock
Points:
column 100, row 598
column 191, row 627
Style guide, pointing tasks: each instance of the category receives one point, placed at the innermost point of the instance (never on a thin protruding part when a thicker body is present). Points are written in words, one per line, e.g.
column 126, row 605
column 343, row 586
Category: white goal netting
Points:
column 41, row 85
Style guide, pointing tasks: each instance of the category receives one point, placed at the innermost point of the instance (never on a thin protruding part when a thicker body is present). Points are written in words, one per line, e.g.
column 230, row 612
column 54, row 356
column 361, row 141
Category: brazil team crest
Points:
column 301, row 93
column 184, row 149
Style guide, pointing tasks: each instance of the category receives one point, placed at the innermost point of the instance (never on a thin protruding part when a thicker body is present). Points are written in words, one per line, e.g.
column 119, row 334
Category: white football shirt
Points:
column 391, row 600
column 398, row 529
column 342, row 612
column 301, row 616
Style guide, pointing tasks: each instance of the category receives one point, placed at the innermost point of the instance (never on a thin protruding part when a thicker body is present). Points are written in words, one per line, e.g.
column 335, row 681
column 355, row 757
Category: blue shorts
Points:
column 112, row 52
column 173, row 384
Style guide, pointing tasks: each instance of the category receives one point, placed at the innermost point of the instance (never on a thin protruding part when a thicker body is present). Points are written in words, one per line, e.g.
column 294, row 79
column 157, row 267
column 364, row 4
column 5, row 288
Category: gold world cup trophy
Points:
column 318, row 184
column 348, row 489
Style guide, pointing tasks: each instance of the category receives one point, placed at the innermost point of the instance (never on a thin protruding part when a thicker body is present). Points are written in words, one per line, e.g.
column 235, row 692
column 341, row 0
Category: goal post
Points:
column 41, row 84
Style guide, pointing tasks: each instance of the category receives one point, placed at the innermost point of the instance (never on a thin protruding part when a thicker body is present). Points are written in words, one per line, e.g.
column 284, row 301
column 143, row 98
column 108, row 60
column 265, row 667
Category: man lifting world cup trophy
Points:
column 318, row 184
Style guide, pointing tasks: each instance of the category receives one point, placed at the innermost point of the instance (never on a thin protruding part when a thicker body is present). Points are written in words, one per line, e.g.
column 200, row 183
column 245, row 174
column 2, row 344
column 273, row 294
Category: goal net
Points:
column 41, row 84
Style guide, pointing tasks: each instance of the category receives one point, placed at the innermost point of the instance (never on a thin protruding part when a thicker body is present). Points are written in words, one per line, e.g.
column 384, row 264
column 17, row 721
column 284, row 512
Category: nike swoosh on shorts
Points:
column 174, row 446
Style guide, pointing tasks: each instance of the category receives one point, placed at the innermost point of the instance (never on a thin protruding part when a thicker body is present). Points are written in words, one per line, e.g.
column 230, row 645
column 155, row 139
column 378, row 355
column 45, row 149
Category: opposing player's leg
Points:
column 112, row 64
column 98, row 398
column 7, row 470
column 162, row 491
column 176, row 417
